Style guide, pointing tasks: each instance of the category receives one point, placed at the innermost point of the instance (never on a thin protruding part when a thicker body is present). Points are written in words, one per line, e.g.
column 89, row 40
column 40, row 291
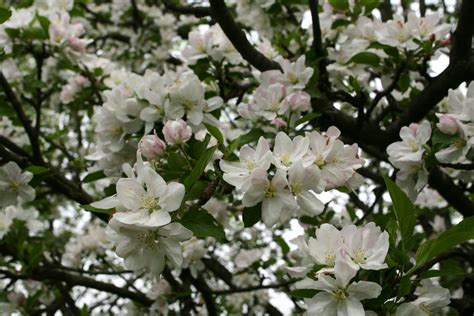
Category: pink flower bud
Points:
column 152, row 146
column 413, row 127
column 447, row 124
column 278, row 122
column 78, row 44
column 299, row 101
column 177, row 132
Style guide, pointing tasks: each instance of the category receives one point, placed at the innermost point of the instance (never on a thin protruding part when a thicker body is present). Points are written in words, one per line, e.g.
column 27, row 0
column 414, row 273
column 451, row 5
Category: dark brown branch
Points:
column 12, row 98
column 255, row 288
column 198, row 12
column 458, row 166
column 221, row 14
column 317, row 43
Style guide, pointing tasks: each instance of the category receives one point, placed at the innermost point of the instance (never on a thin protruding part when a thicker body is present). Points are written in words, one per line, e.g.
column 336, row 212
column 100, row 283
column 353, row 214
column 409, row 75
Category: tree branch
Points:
column 198, row 12
column 11, row 96
column 221, row 14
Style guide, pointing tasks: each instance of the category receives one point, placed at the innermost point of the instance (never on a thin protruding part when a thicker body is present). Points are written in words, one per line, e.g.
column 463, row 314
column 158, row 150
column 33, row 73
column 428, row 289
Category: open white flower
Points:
column 367, row 246
column 302, row 181
column 148, row 247
column 274, row 195
column 14, row 184
column 410, row 149
column 286, row 151
column 148, row 207
column 339, row 296
column 430, row 297
column 239, row 173
column 326, row 245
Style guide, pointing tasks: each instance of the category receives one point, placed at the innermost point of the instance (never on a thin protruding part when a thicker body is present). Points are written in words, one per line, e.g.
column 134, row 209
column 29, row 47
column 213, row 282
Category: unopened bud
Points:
column 152, row 146
column 448, row 124
column 177, row 132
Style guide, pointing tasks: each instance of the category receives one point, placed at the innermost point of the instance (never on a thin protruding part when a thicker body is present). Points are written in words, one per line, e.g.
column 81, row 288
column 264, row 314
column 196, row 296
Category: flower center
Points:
column 340, row 294
column 270, row 191
column 413, row 144
column 14, row 186
column 459, row 143
column 250, row 165
column 150, row 203
column 285, row 159
column 359, row 256
column 330, row 258
column 148, row 238
column 292, row 77
column 296, row 188
column 319, row 161
column 424, row 308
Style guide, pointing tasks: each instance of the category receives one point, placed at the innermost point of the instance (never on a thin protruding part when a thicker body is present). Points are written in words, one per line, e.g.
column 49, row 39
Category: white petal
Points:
column 155, row 185
column 130, row 193
column 364, row 289
column 173, row 197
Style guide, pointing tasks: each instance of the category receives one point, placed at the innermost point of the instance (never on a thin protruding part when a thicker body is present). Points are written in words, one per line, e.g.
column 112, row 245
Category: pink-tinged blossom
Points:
column 367, row 246
column 177, row 132
column 411, row 147
column 239, row 173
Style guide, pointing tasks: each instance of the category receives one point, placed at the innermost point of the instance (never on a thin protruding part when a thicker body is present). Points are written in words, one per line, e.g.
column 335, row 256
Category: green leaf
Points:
column 369, row 4
column 94, row 176
column 36, row 169
column 282, row 243
column 199, row 167
column 307, row 117
column 405, row 286
column 444, row 272
column 5, row 14
column 250, row 137
column 44, row 22
column 462, row 232
column 365, row 58
column 403, row 208
column 92, row 209
column 214, row 131
column 203, row 224
column 341, row 5
column 303, row 293
column 251, row 215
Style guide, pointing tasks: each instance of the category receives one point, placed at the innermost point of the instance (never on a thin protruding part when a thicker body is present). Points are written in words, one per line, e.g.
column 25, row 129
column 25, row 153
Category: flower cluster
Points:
column 341, row 253
column 280, row 98
column 302, row 166
column 407, row 156
column 141, row 228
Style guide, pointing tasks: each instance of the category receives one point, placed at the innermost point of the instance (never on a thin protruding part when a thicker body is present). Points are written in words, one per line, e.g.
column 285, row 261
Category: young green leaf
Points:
column 203, row 224
column 403, row 208
column 5, row 14
column 94, row 176
column 462, row 232
column 199, row 167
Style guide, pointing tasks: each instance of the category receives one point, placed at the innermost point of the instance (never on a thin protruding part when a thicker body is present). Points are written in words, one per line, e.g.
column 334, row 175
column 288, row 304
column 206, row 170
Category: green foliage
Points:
column 94, row 176
column 252, row 215
column 458, row 234
column 5, row 14
column 403, row 209
column 366, row 58
column 203, row 224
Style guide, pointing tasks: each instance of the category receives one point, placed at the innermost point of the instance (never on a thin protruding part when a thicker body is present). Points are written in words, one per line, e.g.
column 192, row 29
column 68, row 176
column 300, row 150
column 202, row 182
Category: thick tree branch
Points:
column 221, row 14
column 198, row 12
column 12, row 98
column 317, row 43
